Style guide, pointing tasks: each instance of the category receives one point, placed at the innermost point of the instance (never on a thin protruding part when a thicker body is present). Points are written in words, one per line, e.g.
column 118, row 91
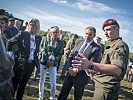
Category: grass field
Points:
column 31, row 92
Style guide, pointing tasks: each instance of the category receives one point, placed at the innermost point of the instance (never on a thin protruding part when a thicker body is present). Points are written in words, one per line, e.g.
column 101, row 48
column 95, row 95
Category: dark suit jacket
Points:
column 92, row 53
column 23, row 41
column 11, row 32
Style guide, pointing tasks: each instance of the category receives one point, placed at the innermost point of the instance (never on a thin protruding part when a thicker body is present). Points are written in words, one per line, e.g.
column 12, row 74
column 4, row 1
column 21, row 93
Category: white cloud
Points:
column 65, row 22
column 90, row 6
column 95, row 7
column 74, row 24
column 59, row 1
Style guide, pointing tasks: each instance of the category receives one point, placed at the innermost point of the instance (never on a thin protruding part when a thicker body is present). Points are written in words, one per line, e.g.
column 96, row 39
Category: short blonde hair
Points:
column 56, row 28
column 37, row 23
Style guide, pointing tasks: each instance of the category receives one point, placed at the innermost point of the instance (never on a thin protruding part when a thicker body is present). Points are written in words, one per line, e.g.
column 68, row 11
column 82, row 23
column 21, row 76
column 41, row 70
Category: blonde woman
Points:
column 50, row 53
column 28, row 44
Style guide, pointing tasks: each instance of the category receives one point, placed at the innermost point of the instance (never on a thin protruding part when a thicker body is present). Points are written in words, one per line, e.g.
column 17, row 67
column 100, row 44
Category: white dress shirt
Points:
column 32, row 47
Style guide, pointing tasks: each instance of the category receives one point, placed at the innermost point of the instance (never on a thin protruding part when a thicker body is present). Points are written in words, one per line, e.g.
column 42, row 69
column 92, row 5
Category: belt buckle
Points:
column 30, row 61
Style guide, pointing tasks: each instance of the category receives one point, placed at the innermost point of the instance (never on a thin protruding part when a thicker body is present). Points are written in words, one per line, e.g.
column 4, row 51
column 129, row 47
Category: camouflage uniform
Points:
column 64, row 45
column 70, row 45
column 67, row 50
column 107, row 86
column 102, row 51
column 6, row 73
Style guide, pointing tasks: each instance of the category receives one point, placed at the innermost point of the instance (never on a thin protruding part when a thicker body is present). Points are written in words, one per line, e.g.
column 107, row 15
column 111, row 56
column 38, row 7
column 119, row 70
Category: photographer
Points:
column 50, row 52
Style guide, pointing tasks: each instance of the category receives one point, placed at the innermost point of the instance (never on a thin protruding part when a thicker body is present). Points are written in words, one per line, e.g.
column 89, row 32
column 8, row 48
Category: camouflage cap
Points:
column 11, row 19
column 98, row 38
column 110, row 22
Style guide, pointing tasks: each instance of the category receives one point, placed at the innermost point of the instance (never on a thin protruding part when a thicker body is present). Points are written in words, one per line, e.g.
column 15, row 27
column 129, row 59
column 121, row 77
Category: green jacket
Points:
column 46, row 49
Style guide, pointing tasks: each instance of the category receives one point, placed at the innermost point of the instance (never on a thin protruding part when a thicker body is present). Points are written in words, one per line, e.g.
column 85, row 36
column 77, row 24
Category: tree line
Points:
column 68, row 34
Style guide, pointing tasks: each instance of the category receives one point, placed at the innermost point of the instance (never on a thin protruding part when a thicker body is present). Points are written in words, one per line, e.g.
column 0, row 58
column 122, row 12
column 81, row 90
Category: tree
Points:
column 130, row 55
column 43, row 33
column 106, row 43
column 67, row 34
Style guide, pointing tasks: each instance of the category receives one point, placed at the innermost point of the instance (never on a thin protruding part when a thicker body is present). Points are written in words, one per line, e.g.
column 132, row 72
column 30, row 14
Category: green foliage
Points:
column 31, row 92
column 130, row 55
column 106, row 43
column 43, row 33
column 67, row 35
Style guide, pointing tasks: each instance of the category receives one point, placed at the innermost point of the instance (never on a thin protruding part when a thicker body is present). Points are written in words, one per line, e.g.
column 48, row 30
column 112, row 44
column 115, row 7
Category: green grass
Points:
column 31, row 92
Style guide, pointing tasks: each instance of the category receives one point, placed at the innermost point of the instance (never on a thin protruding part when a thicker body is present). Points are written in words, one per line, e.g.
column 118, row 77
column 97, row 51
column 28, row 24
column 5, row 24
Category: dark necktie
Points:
column 83, row 48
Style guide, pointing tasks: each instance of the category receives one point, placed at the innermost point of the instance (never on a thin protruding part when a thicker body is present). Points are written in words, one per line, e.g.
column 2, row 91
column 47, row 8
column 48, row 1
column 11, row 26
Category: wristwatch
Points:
column 91, row 67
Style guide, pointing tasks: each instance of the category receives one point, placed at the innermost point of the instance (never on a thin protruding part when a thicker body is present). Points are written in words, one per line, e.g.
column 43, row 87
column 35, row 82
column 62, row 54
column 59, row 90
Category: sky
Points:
column 75, row 15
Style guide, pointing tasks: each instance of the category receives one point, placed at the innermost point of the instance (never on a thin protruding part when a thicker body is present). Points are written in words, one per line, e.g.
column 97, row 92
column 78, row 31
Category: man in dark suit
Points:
column 28, row 43
column 76, row 78
column 112, row 68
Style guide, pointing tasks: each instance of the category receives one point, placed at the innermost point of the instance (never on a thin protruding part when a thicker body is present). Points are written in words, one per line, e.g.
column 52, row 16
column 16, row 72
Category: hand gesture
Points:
column 49, row 63
column 82, row 63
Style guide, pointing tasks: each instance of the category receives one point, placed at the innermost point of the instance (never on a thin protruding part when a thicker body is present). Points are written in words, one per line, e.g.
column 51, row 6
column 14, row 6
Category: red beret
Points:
column 110, row 22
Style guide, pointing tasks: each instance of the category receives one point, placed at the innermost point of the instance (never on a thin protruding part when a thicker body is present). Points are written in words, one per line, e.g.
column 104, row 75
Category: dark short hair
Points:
column 5, row 18
column 75, row 35
column 91, row 28
column 11, row 19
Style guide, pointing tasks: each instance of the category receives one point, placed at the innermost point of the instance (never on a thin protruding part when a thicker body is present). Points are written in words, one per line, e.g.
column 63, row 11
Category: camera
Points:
column 51, row 58
column 21, row 62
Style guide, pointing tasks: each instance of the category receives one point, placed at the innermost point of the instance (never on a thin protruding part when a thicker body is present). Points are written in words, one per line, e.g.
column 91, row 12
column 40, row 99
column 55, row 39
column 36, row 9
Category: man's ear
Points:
column 94, row 35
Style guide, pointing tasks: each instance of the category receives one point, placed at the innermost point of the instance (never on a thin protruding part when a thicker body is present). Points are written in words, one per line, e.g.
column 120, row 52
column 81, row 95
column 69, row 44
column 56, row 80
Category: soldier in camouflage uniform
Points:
column 6, row 73
column 98, row 40
column 64, row 45
column 112, row 68
column 67, row 50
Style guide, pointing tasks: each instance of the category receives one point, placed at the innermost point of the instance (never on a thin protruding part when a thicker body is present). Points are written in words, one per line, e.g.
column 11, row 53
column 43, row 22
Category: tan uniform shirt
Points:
column 117, row 54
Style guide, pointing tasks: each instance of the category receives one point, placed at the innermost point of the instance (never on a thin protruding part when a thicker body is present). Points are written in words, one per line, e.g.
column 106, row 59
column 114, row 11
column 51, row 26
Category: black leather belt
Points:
column 30, row 61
